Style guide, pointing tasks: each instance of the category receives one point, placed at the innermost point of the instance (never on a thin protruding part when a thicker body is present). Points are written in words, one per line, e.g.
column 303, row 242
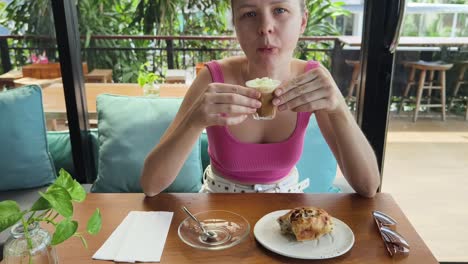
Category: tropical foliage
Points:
column 170, row 17
column 148, row 17
column 436, row 24
column 322, row 14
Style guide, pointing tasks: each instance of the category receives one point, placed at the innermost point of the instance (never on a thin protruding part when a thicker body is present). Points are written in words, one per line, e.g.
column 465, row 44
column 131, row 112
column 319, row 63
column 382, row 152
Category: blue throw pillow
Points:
column 317, row 161
column 25, row 159
column 129, row 128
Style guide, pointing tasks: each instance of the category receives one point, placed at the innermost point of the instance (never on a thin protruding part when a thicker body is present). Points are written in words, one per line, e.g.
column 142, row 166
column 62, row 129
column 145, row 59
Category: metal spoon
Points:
column 207, row 234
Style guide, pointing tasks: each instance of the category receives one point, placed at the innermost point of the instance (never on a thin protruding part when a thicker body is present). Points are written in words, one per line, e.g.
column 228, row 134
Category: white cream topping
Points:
column 264, row 84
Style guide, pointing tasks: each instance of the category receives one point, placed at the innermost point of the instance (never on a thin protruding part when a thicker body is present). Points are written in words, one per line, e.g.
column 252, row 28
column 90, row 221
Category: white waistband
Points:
column 216, row 183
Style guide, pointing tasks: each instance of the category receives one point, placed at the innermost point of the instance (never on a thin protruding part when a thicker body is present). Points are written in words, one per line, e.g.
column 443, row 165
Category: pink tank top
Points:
column 252, row 162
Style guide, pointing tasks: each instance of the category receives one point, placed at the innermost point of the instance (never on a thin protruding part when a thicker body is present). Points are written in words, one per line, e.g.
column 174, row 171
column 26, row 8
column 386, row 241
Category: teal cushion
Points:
column 94, row 134
column 129, row 127
column 25, row 160
column 60, row 149
column 204, row 150
column 317, row 161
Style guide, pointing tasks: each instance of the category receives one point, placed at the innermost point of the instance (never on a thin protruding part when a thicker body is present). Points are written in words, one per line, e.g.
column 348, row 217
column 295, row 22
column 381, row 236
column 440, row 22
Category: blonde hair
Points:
column 301, row 2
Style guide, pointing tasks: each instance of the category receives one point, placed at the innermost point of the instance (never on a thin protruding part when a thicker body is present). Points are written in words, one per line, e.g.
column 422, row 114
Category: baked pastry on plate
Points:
column 306, row 223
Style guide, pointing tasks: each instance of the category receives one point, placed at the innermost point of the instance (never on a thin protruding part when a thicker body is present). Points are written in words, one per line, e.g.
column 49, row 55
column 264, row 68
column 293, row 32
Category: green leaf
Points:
column 94, row 223
column 74, row 188
column 8, row 208
column 10, row 213
column 88, row 38
column 60, row 200
column 41, row 204
column 64, row 230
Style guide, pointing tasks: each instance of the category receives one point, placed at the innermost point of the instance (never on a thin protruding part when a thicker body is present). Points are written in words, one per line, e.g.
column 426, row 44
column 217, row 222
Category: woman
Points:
column 247, row 154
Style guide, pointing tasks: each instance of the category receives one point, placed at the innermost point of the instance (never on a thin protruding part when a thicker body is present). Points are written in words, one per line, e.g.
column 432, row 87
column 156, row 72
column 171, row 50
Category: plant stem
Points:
column 83, row 240
column 44, row 213
column 55, row 216
column 49, row 221
column 31, row 216
column 28, row 238
column 49, row 213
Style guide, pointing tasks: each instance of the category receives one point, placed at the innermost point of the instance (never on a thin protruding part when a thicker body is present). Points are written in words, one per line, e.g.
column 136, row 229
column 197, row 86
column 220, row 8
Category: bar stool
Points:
column 460, row 81
column 355, row 78
column 429, row 84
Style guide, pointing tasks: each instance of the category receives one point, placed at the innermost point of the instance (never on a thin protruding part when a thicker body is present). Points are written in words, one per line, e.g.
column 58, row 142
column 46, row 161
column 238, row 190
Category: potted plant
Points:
column 148, row 80
column 28, row 242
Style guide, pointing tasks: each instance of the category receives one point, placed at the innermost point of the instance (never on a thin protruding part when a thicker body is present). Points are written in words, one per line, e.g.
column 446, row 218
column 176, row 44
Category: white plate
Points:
column 336, row 243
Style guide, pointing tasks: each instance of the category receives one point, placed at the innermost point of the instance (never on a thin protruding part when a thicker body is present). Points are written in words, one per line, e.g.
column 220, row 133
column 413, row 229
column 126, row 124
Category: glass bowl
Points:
column 230, row 229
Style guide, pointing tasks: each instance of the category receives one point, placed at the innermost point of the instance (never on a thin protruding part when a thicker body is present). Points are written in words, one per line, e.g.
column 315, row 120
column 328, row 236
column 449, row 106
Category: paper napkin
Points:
column 140, row 237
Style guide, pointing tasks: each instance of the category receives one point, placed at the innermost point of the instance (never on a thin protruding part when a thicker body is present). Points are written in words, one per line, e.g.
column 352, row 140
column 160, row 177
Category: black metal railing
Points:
column 125, row 54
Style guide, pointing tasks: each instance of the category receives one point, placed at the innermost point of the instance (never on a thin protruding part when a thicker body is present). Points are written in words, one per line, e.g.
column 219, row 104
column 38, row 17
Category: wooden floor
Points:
column 426, row 171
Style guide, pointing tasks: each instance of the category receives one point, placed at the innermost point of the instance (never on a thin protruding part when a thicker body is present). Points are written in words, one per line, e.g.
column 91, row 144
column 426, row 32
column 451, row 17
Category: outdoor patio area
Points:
column 424, row 161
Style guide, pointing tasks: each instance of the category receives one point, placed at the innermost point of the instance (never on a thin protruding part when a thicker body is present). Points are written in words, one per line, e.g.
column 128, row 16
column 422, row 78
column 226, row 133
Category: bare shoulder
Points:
column 299, row 63
column 302, row 65
column 201, row 82
column 298, row 66
column 231, row 63
column 231, row 67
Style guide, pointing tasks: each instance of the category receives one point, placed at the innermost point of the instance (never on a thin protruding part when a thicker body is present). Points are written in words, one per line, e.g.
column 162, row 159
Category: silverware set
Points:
column 394, row 242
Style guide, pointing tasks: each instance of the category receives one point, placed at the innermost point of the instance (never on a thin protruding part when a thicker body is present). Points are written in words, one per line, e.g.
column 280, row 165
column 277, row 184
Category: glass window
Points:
column 426, row 157
column 29, row 56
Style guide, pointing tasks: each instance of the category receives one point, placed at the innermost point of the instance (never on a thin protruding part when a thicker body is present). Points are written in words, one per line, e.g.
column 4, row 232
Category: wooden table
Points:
column 44, row 83
column 99, row 76
column 352, row 209
column 54, row 99
column 7, row 79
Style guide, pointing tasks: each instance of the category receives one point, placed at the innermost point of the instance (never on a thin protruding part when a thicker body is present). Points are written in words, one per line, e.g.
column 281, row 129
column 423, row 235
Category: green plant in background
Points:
column 436, row 28
column 410, row 27
column 100, row 18
column 322, row 14
column 161, row 17
column 29, row 18
column 183, row 17
column 54, row 202
column 152, row 17
column 435, row 24
column 146, row 76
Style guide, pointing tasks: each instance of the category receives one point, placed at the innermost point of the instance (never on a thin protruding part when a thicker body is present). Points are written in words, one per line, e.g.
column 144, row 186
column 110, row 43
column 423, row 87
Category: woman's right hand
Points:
column 224, row 105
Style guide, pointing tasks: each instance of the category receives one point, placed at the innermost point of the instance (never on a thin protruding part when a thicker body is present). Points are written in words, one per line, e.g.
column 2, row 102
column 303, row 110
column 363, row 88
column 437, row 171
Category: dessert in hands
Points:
column 306, row 223
column 266, row 86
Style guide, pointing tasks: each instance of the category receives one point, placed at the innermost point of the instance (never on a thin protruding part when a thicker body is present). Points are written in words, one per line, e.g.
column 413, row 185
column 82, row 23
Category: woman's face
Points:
column 268, row 30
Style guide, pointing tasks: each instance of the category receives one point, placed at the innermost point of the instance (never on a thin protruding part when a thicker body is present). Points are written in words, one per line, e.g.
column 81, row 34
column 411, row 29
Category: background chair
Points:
column 426, row 83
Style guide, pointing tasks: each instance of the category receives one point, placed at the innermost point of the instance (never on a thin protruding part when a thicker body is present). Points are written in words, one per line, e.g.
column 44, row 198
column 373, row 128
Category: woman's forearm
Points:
column 164, row 162
column 358, row 161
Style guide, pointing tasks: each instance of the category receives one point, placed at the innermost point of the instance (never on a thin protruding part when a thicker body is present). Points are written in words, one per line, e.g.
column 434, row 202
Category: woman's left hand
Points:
column 312, row 91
